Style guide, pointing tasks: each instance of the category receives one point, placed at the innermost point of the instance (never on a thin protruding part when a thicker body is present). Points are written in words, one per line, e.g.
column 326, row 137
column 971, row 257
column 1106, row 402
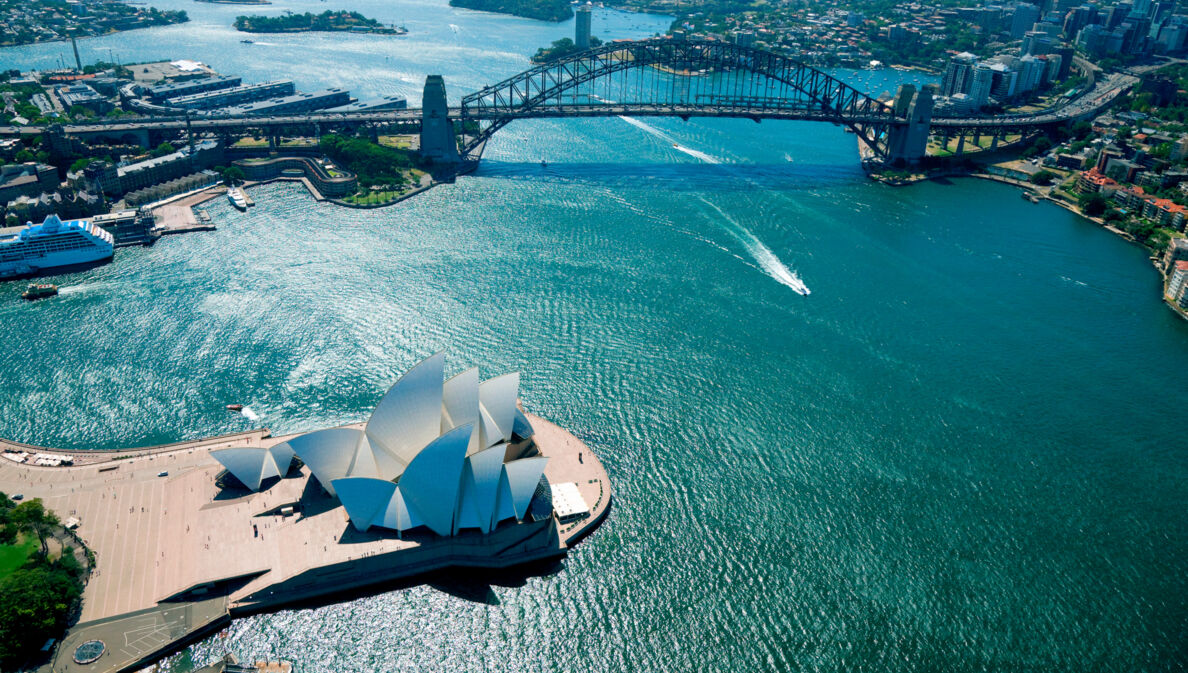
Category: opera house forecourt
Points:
column 187, row 536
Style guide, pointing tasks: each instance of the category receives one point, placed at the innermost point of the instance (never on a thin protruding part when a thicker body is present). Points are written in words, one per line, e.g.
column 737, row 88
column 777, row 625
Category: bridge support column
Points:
column 907, row 143
column 994, row 141
column 437, row 130
column 960, row 144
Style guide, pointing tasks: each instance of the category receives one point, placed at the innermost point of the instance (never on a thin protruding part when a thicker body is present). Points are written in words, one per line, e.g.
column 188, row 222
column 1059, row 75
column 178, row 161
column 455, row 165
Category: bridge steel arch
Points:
column 804, row 93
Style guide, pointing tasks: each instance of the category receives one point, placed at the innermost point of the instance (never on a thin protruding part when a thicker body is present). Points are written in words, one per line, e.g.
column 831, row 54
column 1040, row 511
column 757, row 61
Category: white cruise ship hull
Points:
column 52, row 247
column 36, row 265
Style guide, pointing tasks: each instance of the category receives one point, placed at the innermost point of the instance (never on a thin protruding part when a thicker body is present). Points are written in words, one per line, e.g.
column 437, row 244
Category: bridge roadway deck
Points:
column 1105, row 91
column 156, row 537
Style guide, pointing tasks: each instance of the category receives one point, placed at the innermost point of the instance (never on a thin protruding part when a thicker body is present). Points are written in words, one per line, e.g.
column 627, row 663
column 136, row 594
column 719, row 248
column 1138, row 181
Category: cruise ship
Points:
column 38, row 248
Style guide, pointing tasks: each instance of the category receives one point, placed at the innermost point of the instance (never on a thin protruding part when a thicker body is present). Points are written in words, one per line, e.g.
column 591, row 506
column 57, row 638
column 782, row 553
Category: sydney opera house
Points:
column 448, row 455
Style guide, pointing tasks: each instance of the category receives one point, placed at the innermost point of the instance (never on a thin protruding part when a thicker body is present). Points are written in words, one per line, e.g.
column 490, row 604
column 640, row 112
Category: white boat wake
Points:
column 249, row 414
column 763, row 256
column 648, row 128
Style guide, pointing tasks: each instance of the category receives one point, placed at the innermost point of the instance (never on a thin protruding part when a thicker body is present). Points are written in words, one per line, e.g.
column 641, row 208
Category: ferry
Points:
column 37, row 248
column 236, row 198
column 35, row 292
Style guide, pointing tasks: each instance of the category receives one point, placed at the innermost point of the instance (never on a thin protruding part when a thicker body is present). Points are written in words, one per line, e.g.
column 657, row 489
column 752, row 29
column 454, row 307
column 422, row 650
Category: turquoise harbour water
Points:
column 963, row 451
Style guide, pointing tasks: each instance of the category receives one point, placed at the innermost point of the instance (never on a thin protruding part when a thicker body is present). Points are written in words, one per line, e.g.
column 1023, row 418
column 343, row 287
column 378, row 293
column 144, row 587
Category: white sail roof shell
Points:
column 431, row 454
column 522, row 476
column 480, row 481
column 409, row 415
column 431, row 482
column 329, row 454
column 252, row 465
column 497, row 400
column 365, row 499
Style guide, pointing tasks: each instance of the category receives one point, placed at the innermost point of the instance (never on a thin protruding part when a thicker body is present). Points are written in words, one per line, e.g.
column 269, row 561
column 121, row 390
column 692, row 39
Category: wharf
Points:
column 166, row 538
column 178, row 216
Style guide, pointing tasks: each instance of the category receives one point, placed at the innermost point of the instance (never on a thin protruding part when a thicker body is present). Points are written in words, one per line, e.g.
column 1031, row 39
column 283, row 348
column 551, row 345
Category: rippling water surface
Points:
column 962, row 451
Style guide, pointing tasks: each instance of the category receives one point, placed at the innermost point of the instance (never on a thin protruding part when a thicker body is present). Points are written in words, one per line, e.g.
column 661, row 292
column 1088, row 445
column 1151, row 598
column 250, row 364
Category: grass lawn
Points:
column 398, row 142
column 12, row 556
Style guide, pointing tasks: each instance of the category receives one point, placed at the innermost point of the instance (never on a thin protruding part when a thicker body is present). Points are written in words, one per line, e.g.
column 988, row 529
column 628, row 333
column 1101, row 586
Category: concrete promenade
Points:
column 166, row 535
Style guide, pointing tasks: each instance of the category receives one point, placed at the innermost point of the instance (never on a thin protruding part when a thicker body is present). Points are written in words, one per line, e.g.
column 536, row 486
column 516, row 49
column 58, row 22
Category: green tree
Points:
column 32, row 517
column 163, row 149
column 1093, row 205
column 1043, row 178
column 1042, row 144
column 1081, row 130
column 233, row 175
column 34, row 605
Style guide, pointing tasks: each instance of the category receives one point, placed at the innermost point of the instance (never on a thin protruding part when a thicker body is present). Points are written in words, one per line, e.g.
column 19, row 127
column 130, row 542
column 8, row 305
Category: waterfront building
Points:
column 957, row 77
column 1166, row 212
column 1177, row 283
column 581, row 36
column 220, row 98
column 82, row 95
column 301, row 102
column 127, row 227
column 164, row 92
column 28, row 179
column 444, row 454
column 174, row 165
column 980, row 85
column 102, row 177
column 375, row 104
column 1177, row 251
column 53, row 244
column 1094, row 182
column 341, row 183
column 162, row 190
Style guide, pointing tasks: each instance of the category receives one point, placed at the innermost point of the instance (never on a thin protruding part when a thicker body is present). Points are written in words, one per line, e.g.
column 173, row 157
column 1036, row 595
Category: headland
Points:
column 178, row 555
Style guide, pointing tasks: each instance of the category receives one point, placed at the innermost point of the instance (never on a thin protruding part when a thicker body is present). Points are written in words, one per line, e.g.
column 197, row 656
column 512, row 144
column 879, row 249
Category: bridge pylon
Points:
column 437, row 130
column 907, row 142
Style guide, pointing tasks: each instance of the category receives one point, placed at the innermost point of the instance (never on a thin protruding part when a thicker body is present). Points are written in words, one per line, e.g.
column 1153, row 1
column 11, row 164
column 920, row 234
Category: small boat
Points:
column 35, row 292
column 234, row 407
column 246, row 42
column 544, row 164
column 236, row 198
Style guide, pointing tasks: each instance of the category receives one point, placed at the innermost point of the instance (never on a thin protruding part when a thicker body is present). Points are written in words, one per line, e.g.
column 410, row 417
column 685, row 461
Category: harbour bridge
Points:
column 654, row 77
